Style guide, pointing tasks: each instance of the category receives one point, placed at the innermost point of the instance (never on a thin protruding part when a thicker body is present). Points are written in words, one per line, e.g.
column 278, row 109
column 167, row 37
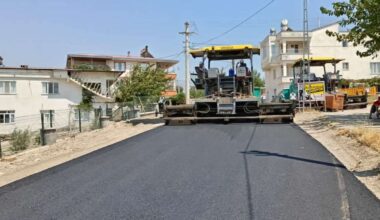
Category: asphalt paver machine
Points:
column 228, row 95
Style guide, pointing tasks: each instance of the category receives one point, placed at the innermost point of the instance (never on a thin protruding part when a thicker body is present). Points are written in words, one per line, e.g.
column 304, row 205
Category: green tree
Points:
column 257, row 80
column 364, row 18
column 142, row 81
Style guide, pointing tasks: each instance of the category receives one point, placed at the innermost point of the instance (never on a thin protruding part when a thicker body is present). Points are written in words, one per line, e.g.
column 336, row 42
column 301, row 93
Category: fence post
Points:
column 122, row 112
column 42, row 129
column 1, row 150
column 51, row 118
column 80, row 120
column 100, row 117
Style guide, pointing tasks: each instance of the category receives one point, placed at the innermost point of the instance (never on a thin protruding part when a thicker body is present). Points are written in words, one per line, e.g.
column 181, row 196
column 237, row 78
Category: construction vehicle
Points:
column 308, row 89
column 331, row 82
column 227, row 96
column 355, row 95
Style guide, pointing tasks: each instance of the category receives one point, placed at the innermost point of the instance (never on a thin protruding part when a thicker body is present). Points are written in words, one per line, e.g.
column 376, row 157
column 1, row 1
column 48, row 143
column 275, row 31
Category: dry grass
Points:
column 371, row 99
column 365, row 136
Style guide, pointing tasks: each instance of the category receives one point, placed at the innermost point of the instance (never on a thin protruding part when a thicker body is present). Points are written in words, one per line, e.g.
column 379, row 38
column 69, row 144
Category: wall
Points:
column 323, row 45
column 98, row 77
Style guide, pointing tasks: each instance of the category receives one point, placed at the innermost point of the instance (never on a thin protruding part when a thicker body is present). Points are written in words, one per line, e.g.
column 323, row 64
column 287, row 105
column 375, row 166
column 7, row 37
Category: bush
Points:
column 20, row 139
column 37, row 139
column 179, row 99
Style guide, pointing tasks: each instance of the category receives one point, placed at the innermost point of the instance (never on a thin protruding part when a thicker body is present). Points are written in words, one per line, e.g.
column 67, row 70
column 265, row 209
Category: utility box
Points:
column 49, row 136
column 334, row 102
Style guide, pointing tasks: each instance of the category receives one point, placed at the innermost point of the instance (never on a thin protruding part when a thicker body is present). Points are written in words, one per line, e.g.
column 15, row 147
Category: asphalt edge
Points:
column 337, row 153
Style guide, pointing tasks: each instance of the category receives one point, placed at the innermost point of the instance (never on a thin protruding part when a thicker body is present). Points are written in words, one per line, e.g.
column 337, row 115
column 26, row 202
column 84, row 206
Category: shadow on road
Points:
column 264, row 153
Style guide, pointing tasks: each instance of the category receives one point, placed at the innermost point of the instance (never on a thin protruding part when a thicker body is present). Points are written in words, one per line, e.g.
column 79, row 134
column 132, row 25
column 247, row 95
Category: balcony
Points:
column 292, row 34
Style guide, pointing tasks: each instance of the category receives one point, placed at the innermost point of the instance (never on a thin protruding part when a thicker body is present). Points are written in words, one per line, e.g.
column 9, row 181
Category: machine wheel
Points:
column 287, row 120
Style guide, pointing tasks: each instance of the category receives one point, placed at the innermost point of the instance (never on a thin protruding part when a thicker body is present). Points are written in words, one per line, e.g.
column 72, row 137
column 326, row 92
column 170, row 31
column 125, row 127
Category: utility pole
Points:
column 187, row 65
column 305, row 54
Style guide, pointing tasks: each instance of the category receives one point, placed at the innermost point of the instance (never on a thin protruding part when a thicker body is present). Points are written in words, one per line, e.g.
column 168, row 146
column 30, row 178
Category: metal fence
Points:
column 135, row 108
column 46, row 127
column 49, row 125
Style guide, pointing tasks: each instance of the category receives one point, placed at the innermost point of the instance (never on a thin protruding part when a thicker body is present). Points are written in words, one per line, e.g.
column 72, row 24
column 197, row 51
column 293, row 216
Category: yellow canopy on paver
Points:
column 226, row 52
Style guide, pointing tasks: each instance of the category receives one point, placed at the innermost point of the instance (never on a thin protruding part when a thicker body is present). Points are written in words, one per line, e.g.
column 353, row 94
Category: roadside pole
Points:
column 1, row 150
column 80, row 120
column 305, row 36
column 306, row 17
column 51, row 118
column 42, row 129
column 187, row 65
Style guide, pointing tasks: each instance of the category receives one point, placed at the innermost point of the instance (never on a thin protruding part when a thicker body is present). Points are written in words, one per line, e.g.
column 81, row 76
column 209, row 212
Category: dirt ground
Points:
column 352, row 138
column 30, row 161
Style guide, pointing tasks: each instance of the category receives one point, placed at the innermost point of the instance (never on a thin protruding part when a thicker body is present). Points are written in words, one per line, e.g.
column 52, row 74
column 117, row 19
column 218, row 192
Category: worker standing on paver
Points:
column 375, row 107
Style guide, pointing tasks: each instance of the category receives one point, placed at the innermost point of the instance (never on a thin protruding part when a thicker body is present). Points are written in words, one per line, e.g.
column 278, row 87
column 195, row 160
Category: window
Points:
column 274, row 74
column 119, row 66
column 7, row 117
column 50, row 88
column 84, row 115
column 345, row 66
column 48, row 118
column 109, row 83
column 294, row 48
column 375, row 68
column 7, row 87
column 273, row 49
column 344, row 43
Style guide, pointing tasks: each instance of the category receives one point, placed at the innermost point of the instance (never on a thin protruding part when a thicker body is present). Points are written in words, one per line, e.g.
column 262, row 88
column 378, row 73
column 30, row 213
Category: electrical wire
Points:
column 237, row 25
column 175, row 55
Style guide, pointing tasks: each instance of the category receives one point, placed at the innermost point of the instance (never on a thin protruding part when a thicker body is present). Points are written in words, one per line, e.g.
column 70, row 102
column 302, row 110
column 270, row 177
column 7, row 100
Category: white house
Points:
column 25, row 92
column 279, row 51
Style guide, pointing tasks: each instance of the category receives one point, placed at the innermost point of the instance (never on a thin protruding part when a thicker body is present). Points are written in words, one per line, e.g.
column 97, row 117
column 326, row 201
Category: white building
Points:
column 279, row 51
column 26, row 92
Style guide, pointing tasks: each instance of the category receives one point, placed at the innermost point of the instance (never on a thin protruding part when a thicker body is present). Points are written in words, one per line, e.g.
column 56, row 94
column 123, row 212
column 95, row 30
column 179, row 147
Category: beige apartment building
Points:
column 279, row 51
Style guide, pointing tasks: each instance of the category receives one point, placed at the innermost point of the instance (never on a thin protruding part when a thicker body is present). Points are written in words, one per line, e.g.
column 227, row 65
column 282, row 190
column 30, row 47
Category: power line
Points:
column 236, row 26
column 175, row 55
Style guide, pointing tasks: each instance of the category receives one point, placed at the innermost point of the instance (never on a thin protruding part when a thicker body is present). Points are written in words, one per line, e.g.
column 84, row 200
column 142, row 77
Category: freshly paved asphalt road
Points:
column 205, row 171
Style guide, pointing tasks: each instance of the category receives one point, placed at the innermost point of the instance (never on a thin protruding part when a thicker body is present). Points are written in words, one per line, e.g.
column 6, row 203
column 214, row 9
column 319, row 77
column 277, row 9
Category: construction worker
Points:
column 374, row 108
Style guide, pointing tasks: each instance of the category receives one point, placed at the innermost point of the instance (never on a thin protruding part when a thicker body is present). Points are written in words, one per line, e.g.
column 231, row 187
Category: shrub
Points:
column 178, row 99
column 37, row 139
column 20, row 139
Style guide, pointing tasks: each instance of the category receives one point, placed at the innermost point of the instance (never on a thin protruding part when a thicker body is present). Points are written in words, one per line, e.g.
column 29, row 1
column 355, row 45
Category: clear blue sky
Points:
column 42, row 32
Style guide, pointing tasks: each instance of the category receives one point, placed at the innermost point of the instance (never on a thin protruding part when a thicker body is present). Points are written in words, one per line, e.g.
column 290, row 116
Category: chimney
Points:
column 129, row 53
column 145, row 53
column 1, row 61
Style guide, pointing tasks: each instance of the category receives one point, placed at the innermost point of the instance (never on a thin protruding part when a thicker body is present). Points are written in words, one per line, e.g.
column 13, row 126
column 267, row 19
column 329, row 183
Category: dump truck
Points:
column 228, row 92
